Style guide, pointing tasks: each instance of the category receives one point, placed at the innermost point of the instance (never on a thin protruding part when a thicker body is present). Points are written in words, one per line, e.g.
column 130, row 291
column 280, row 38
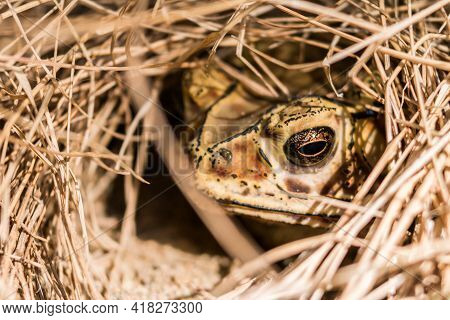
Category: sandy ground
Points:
column 173, row 255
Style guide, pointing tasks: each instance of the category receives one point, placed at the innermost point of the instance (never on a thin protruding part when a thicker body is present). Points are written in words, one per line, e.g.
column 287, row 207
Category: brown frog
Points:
column 273, row 161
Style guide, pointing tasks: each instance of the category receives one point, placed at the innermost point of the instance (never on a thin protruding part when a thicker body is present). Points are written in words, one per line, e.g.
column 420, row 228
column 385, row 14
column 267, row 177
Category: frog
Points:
column 274, row 160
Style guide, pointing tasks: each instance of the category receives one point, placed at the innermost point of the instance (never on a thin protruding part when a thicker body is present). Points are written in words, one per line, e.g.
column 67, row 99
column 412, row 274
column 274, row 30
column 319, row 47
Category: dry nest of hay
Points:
column 78, row 79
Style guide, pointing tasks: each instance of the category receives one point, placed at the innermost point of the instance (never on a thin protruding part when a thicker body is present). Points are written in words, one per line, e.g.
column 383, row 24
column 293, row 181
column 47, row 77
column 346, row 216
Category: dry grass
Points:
column 80, row 77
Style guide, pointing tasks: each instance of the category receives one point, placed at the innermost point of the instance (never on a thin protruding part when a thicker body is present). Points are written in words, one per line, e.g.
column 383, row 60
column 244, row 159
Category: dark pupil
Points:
column 313, row 148
column 310, row 146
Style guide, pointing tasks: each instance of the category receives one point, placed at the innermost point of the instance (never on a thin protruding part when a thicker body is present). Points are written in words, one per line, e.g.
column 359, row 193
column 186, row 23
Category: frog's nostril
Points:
column 226, row 154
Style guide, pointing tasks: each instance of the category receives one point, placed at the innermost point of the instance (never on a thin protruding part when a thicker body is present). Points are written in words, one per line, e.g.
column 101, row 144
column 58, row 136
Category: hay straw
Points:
column 64, row 102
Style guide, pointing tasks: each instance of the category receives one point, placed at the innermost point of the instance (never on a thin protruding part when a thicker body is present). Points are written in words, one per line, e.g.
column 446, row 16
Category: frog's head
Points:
column 271, row 162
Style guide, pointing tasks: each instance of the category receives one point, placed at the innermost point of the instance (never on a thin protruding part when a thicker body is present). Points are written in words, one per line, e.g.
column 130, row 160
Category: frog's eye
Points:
column 310, row 146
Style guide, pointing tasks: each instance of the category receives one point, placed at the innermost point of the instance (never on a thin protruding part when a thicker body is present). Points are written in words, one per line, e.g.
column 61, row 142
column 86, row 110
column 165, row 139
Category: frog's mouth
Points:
column 313, row 220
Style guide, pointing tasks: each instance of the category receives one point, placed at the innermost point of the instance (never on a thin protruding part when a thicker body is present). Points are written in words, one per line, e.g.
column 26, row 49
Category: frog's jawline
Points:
column 294, row 215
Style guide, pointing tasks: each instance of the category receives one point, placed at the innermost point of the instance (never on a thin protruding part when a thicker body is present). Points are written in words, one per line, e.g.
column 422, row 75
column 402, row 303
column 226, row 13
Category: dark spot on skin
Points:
column 246, row 191
column 198, row 161
column 244, row 183
column 296, row 186
column 234, row 176
column 270, row 194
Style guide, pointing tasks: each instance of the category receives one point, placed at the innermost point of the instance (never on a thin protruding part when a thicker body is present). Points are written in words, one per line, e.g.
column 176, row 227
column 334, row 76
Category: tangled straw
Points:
column 65, row 99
